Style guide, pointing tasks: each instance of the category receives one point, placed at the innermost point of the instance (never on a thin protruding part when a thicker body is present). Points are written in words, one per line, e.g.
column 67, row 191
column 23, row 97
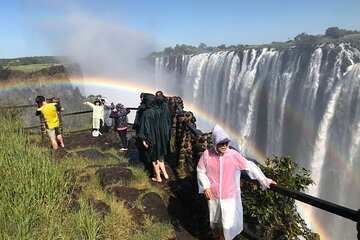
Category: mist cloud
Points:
column 103, row 48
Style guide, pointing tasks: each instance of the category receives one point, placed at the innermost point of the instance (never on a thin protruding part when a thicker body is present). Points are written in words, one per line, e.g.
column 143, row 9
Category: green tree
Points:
column 168, row 51
column 306, row 40
column 221, row 47
column 335, row 32
column 271, row 214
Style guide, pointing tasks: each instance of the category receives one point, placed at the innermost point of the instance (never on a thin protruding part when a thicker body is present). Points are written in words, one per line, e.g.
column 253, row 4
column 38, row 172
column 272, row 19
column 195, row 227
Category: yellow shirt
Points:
column 50, row 114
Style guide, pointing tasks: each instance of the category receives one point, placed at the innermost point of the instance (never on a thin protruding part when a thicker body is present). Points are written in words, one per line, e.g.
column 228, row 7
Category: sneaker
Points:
column 123, row 149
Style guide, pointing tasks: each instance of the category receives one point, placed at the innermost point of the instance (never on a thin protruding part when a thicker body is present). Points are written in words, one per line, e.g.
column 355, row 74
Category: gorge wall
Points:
column 303, row 102
column 21, row 88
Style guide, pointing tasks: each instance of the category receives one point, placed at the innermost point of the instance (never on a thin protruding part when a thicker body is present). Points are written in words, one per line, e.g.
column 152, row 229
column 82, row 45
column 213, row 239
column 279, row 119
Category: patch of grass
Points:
column 33, row 189
column 36, row 191
column 88, row 222
column 29, row 68
column 118, row 223
column 152, row 231
column 141, row 181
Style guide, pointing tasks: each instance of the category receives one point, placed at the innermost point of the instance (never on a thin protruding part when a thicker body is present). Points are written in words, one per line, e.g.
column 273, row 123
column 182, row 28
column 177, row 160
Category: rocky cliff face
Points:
column 21, row 88
column 302, row 102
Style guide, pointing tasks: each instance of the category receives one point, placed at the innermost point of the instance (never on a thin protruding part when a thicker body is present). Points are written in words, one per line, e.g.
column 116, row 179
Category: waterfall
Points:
column 299, row 102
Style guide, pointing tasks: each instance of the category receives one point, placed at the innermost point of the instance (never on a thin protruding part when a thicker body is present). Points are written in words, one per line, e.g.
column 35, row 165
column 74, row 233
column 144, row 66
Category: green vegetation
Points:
column 29, row 68
column 37, row 194
column 33, row 189
column 37, row 66
column 31, row 60
column 274, row 215
column 302, row 40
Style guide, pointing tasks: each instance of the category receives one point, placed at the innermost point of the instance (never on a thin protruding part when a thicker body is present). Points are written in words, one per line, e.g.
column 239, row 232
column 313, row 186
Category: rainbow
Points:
column 135, row 88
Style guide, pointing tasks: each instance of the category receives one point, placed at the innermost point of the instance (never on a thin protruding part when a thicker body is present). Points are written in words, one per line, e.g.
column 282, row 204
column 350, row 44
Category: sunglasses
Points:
column 223, row 144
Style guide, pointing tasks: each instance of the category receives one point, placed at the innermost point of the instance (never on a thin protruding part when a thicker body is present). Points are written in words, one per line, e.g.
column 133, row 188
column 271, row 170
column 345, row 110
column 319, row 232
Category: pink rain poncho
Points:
column 221, row 173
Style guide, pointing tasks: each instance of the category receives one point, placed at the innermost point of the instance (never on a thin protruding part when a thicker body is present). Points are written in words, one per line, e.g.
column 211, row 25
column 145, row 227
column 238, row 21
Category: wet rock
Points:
column 99, row 206
column 92, row 154
column 154, row 206
column 128, row 195
column 114, row 174
column 60, row 153
column 137, row 216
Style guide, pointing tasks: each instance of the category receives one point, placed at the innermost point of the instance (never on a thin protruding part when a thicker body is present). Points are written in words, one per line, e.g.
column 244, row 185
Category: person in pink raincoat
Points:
column 218, row 173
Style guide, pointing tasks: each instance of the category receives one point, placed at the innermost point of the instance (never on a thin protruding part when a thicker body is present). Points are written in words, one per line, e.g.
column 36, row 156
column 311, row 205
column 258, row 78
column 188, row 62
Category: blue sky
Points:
column 35, row 27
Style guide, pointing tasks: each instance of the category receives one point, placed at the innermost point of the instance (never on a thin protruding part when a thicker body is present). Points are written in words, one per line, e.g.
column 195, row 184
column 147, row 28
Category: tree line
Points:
column 332, row 35
column 30, row 60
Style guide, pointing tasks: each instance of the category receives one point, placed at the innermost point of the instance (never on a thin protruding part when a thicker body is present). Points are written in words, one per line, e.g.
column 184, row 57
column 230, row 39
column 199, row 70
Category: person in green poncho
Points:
column 153, row 134
column 140, row 110
column 138, row 143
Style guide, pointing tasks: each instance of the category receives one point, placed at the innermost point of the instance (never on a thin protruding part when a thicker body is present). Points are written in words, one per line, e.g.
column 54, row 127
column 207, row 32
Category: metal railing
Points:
column 302, row 197
column 63, row 115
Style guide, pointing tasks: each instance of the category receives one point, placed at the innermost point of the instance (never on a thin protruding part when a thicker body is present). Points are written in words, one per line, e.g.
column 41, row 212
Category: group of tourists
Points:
column 218, row 170
column 152, row 126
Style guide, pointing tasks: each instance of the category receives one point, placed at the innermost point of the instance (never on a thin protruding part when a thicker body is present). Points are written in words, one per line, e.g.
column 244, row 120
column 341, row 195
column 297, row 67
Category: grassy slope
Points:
column 29, row 68
column 35, row 195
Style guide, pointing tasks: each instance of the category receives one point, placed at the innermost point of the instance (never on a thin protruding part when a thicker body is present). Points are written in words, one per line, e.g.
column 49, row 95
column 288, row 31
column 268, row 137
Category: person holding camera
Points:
column 119, row 113
column 50, row 113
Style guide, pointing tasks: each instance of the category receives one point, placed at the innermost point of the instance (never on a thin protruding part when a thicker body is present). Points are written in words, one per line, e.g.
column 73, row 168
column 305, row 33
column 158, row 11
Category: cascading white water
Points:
column 299, row 102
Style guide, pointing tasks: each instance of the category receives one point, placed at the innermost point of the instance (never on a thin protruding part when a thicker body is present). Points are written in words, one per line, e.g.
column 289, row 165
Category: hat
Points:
column 119, row 106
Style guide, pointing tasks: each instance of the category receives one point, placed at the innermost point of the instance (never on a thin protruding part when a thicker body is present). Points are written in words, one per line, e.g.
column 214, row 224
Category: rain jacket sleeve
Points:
column 89, row 104
column 255, row 172
column 113, row 115
column 203, row 180
column 138, row 116
column 107, row 104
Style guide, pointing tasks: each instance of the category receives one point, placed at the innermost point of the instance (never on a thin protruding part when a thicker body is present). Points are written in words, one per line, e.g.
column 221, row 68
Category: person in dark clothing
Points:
column 119, row 113
column 138, row 143
column 163, row 104
column 107, row 111
column 141, row 108
column 153, row 134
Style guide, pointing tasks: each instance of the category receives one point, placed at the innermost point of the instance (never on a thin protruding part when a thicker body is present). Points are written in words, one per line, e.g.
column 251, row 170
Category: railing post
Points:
column 42, row 126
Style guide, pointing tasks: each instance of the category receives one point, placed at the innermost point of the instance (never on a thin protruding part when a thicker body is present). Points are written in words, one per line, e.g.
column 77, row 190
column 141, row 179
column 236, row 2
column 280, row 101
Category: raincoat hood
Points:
column 119, row 106
column 149, row 100
column 143, row 95
column 219, row 135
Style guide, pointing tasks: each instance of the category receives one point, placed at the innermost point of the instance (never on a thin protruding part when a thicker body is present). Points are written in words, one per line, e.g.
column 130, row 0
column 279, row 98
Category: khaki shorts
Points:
column 53, row 132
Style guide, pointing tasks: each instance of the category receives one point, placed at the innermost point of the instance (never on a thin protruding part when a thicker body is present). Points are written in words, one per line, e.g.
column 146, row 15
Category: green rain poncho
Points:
column 139, row 112
column 154, row 129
